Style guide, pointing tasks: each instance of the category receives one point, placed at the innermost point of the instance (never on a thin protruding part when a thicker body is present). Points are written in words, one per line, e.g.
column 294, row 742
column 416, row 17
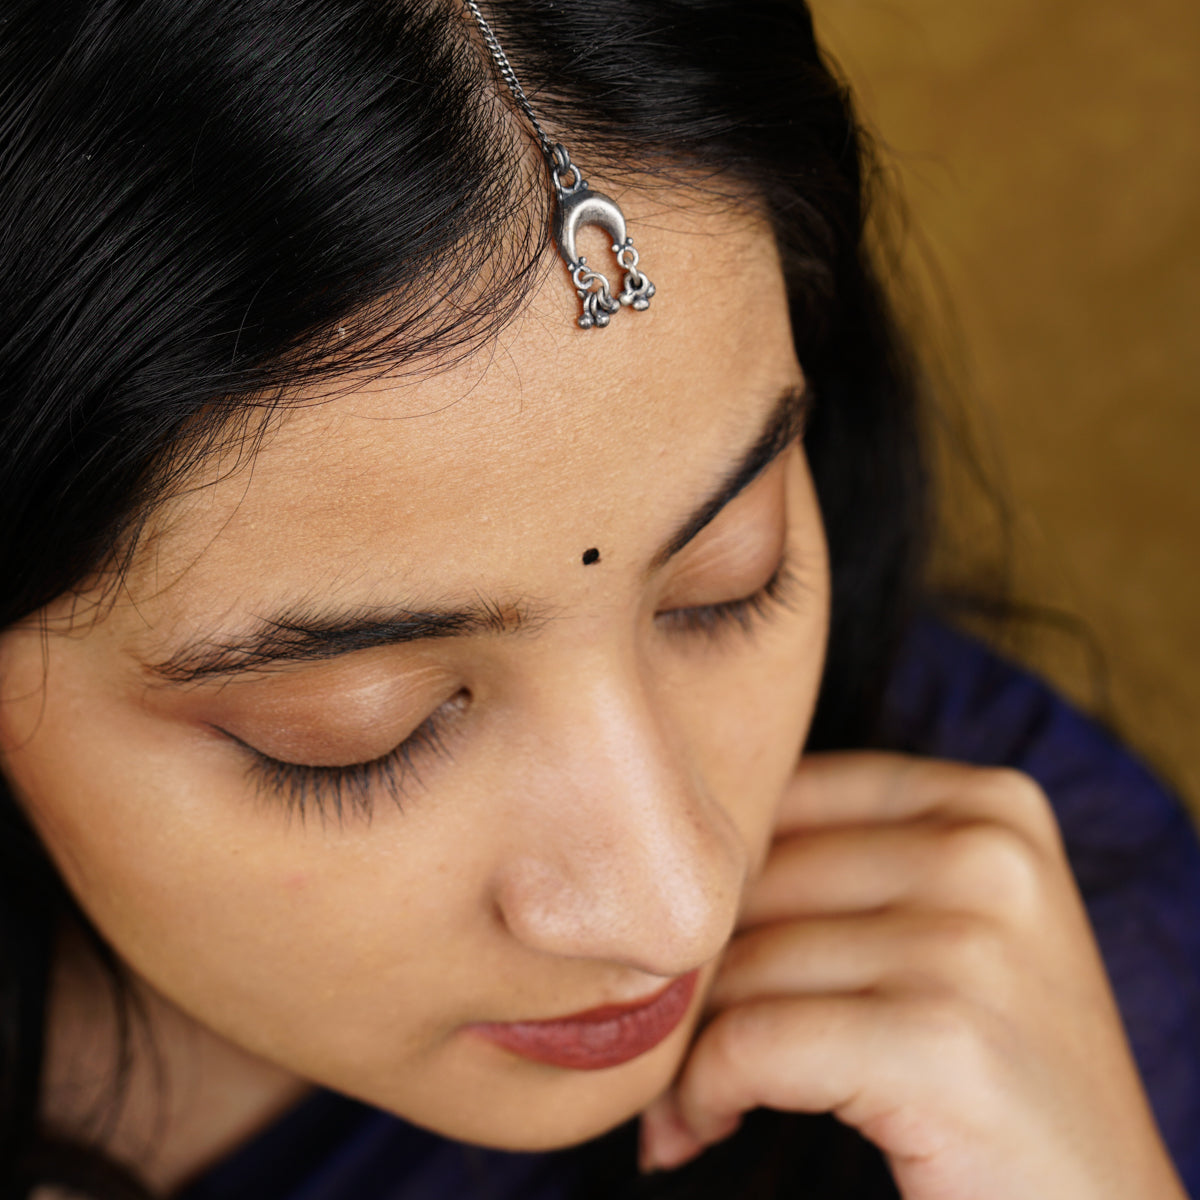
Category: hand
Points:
column 916, row 959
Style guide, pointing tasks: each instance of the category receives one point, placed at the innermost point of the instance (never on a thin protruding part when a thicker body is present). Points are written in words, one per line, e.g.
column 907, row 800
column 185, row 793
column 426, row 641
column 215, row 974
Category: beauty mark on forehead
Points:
column 310, row 635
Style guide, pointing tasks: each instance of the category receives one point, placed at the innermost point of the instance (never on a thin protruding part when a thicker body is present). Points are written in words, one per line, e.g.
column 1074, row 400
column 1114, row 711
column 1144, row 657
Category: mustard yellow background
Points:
column 1049, row 152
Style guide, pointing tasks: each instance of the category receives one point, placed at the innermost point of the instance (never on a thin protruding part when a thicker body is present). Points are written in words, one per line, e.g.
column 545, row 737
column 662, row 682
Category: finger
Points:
column 968, row 865
column 898, row 950
column 797, row 1054
column 839, row 870
column 857, row 787
column 939, row 1087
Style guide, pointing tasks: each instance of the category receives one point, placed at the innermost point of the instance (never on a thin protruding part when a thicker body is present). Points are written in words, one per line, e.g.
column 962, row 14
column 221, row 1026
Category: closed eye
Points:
column 745, row 614
column 351, row 789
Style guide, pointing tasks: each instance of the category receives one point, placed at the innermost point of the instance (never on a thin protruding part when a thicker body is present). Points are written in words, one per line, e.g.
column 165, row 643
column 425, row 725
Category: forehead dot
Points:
column 591, row 556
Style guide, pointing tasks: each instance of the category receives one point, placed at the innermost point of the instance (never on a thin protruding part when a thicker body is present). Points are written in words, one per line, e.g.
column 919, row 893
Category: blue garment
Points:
column 1131, row 845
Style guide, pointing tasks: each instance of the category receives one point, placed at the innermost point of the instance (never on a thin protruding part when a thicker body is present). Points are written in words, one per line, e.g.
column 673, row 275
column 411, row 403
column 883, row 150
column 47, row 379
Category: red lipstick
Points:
column 599, row 1037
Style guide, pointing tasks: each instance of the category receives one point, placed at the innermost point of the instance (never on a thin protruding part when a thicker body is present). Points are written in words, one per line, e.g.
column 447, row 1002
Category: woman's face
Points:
column 519, row 783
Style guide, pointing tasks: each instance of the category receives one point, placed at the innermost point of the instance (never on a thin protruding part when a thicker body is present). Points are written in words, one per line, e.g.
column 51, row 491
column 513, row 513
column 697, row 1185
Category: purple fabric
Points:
column 1131, row 845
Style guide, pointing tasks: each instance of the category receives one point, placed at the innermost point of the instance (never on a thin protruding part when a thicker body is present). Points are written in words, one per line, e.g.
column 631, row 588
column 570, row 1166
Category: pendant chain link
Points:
column 510, row 77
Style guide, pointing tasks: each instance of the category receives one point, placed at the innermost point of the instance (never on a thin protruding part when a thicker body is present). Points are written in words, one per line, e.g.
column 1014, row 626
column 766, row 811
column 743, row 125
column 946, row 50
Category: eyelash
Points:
column 352, row 789
column 744, row 615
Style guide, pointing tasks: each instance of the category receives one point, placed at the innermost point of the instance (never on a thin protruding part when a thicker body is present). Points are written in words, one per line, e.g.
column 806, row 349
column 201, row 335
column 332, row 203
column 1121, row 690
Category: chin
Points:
column 489, row 1097
column 555, row 1124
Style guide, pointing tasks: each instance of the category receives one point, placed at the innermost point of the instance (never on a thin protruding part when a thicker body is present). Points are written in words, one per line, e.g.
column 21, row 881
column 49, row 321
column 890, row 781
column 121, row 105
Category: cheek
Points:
column 298, row 941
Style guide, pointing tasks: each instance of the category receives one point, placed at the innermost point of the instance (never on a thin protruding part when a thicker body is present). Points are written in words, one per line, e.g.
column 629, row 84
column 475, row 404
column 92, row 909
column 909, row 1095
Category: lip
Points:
column 598, row 1037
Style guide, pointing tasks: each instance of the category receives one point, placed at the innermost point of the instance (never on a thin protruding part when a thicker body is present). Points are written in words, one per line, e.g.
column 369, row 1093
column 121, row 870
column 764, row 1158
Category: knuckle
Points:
column 736, row 1035
column 1020, row 798
column 738, row 1043
column 992, row 866
column 725, row 1072
column 962, row 951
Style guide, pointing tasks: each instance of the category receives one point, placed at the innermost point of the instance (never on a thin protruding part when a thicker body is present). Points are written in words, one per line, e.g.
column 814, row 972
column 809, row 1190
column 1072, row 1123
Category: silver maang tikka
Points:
column 576, row 205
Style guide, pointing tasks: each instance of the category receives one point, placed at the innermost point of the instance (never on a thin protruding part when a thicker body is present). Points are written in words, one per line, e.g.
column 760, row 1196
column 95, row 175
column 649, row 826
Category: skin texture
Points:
column 612, row 783
column 607, row 790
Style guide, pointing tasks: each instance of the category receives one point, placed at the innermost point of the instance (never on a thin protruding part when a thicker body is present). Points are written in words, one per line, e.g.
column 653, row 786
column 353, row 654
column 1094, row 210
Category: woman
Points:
column 402, row 688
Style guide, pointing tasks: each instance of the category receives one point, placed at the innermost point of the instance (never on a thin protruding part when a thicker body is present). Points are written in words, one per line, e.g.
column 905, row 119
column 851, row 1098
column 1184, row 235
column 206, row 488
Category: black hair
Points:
column 205, row 204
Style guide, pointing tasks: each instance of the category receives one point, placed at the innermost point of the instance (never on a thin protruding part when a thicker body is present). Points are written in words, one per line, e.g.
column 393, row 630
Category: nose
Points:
column 615, row 851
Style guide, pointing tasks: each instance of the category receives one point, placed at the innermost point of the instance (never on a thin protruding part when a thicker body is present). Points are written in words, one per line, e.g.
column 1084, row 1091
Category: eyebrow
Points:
column 305, row 636
column 782, row 427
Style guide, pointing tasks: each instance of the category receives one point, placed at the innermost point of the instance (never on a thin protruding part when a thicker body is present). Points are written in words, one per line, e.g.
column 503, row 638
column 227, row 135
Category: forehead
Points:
column 482, row 475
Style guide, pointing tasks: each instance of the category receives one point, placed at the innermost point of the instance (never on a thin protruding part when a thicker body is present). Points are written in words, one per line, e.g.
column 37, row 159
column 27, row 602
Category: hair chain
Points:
column 576, row 205
column 510, row 77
